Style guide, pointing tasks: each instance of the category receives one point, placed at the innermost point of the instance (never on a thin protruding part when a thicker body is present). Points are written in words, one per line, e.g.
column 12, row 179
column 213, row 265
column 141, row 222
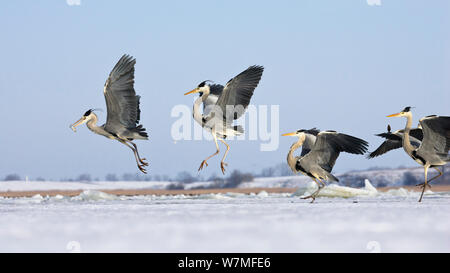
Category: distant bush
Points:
column 281, row 169
column 111, row 177
column 12, row 177
column 185, row 177
column 84, row 178
column 236, row 178
column 175, row 186
column 410, row 179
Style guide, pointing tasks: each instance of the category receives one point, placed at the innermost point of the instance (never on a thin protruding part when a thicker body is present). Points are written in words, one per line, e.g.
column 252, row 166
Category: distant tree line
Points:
column 237, row 177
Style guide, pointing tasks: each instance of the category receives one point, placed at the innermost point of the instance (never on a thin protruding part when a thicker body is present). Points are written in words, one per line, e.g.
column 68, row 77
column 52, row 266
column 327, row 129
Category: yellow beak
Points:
column 196, row 90
column 79, row 122
column 394, row 115
column 289, row 134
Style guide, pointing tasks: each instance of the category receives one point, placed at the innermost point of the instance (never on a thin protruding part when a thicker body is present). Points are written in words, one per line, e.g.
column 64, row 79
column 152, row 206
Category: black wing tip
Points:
column 127, row 59
column 256, row 67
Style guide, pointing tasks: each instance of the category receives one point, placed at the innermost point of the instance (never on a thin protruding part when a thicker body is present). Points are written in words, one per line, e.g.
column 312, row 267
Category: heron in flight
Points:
column 319, row 153
column 222, row 105
column 394, row 140
column 433, row 150
column 123, row 111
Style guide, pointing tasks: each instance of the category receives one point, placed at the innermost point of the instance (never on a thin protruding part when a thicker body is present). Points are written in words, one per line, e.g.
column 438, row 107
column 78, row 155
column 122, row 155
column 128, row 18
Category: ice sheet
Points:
column 94, row 222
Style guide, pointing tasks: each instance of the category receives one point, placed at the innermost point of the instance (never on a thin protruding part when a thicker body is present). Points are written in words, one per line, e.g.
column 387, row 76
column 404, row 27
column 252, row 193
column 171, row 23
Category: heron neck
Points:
column 291, row 159
column 406, row 140
column 92, row 125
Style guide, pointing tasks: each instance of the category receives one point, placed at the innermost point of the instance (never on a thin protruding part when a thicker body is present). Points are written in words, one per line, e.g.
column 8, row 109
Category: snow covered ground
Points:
column 95, row 221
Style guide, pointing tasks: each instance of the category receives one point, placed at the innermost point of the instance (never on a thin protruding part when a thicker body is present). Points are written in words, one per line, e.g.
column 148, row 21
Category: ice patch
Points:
column 91, row 195
column 406, row 193
column 262, row 194
column 334, row 190
column 219, row 196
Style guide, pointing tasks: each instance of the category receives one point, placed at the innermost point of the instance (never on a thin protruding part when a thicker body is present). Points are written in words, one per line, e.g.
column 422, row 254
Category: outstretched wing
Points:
column 436, row 134
column 385, row 147
column 238, row 91
column 121, row 100
column 395, row 140
column 330, row 144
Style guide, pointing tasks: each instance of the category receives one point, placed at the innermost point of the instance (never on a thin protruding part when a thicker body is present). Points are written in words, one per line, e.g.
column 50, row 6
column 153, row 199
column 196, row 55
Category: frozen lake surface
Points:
column 97, row 222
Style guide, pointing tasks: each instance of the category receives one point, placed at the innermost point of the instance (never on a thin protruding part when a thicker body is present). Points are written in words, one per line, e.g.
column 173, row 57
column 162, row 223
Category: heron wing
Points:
column 416, row 133
column 310, row 139
column 436, row 134
column 328, row 146
column 121, row 100
column 385, row 147
column 211, row 100
column 238, row 92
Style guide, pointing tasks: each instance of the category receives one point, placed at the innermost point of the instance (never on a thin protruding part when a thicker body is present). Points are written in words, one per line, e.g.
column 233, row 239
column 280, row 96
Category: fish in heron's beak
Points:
column 290, row 134
column 78, row 123
column 196, row 90
column 394, row 115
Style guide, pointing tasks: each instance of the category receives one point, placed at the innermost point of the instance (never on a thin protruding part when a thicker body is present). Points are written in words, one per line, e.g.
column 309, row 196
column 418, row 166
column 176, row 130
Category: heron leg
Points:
column 425, row 183
column 314, row 195
column 140, row 166
column 204, row 162
column 440, row 173
column 142, row 160
column 222, row 163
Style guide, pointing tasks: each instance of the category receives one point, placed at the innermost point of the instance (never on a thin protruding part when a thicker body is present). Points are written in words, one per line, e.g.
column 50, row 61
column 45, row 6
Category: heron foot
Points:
column 204, row 163
column 222, row 166
column 312, row 196
column 143, row 162
column 141, row 168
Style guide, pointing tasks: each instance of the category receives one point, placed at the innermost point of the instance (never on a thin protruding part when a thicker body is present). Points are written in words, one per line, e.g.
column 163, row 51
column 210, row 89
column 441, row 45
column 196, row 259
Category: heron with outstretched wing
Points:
column 320, row 151
column 222, row 105
column 123, row 113
column 435, row 144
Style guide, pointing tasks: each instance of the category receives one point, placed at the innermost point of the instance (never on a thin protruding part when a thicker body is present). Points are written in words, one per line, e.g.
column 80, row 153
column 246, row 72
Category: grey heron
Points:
column 123, row 113
column 394, row 140
column 319, row 154
column 433, row 150
column 222, row 105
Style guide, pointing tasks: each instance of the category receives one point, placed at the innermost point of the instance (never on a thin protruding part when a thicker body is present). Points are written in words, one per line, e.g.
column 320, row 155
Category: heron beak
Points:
column 394, row 115
column 78, row 123
column 289, row 134
column 196, row 90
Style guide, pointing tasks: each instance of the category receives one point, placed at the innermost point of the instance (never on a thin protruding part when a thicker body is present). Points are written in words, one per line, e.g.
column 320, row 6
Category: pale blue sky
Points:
column 341, row 65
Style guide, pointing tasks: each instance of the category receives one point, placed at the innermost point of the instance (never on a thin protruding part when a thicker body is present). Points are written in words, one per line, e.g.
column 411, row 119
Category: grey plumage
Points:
column 123, row 113
column 238, row 91
column 436, row 136
column 394, row 141
column 328, row 146
column 434, row 147
column 211, row 100
column 122, row 102
column 320, row 151
column 223, row 104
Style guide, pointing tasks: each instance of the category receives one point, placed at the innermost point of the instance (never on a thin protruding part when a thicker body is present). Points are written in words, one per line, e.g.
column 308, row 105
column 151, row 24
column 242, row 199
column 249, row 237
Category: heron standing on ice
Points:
column 319, row 153
column 123, row 110
column 223, row 105
column 433, row 150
